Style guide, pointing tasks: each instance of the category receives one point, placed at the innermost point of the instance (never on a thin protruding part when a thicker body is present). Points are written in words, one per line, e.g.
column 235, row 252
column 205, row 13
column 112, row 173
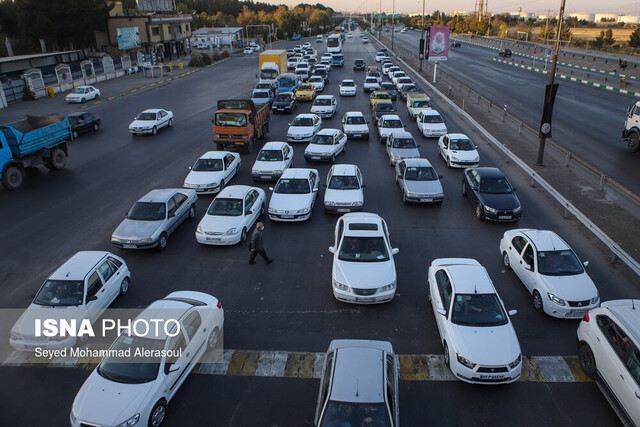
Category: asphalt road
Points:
column 587, row 121
column 287, row 305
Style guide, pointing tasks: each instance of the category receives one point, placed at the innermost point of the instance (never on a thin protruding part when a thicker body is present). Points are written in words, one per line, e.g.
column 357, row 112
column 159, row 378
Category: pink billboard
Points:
column 438, row 43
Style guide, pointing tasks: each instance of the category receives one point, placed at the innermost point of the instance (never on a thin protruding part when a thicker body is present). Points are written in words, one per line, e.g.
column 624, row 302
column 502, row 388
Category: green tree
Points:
column 634, row 38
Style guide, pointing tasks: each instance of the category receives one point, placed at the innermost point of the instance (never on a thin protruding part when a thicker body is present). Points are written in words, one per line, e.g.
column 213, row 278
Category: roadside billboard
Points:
column 128, row 38
column 438, row 44
column 156, row 5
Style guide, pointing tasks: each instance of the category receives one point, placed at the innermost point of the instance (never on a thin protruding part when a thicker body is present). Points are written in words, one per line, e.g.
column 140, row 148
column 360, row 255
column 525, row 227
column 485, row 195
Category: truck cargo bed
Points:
column 36, row 133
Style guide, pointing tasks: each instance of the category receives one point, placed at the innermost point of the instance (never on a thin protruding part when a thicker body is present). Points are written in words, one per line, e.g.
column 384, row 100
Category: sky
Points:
column 494, row 6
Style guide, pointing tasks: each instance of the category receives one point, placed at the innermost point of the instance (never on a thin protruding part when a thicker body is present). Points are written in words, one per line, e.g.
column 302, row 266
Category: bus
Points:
column 334, row 43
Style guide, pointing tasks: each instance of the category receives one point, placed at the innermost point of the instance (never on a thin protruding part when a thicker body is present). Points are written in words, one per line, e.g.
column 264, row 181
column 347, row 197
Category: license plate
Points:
column 200, row 190
column 357, row 135
column 343, row 210
column 505, row 217
column 315, row 157
column 426, row 200
column 286, row 216
column 239, row 143
column 581, row 311
column 213, row 239
column 365, row 299
column 129, row 246
column 265, row 176
column 491, row 377
column 30, row 347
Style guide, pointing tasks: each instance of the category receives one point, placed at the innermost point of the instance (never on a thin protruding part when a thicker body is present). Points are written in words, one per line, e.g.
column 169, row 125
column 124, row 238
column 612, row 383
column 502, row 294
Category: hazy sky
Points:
column 494, row 6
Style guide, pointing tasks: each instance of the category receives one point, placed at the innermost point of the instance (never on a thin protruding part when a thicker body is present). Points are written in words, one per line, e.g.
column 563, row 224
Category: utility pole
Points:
column 393, row 21
column 545, row 126
column 421, row 54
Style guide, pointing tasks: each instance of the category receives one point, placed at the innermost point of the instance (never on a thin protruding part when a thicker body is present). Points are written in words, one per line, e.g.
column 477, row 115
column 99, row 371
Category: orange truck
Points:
column 240, row 123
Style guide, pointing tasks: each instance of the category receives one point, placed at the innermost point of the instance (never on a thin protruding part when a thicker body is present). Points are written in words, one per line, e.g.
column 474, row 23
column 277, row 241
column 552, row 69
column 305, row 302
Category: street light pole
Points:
column 393, row 21
column 421, row 54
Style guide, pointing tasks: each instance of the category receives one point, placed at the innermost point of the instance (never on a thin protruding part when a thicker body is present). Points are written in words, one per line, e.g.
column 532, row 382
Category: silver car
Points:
column 418, row 181
column 154, row 217
column 401, row 145
column 359, row 385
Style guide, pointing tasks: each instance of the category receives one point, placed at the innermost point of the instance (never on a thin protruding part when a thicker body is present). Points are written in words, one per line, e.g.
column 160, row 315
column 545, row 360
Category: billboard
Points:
column 156, row 5
column 128, row 38
column 438, row 49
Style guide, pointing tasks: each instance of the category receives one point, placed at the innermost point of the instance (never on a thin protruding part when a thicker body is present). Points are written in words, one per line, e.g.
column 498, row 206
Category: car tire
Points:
column 74, row 134
column 214, row 338
column 243, row 235
column 83, row 100
column 96, row 127
column 538, row 305
column 154, row 131
column 404, row 198
column 333, row 158
column 192, row 212
column 479, row 214
column 262, row 210
column 13, row 177
column 448, row 162
column 464, row 190
column 162, row 242
column 249, row 147
column 170, row 123
column 505, row 260
column 447, row 357
column 587, row 360
column 158, row 414
column 58, row 159
column 124, row 286
column 221, row 184
column 633, row 142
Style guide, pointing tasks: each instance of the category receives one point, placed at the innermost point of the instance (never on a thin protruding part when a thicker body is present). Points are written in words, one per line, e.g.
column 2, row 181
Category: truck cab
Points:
column 239, row 123
column 631, row 132
column 287, row 82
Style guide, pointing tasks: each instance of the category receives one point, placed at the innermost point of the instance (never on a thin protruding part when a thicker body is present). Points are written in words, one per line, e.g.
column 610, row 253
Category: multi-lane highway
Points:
column 288, row 305
column 586, row 120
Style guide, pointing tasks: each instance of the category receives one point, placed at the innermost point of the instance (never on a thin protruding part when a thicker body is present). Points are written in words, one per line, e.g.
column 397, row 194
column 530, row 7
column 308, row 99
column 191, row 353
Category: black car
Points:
column 284, row 102
column 505, row 53
column 408, row 88
column 390, row 89
column 381, row 108
column 83, row 122
column 359, row 65
column 491, row 194
column 322, row 72
column 455, row 43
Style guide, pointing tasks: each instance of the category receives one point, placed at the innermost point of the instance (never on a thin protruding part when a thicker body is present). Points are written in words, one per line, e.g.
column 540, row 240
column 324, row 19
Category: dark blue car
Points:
column 491, row 194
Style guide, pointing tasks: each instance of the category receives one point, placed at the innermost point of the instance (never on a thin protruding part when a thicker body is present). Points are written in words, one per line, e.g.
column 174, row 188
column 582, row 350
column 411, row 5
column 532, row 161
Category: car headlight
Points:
column 412, row 195
column 490, row 209
column 357, row 203
column 516, row 362
column 476, row 159
column 16, row 336
column 271, row 210
column 438, row 195
column 74, row 419
column 277, row 171
column 131, row 421
column 116, row 239
column 341, row 286
column 518, row 209
column 147, row 240
column 216, row 135
column 232, row 231
column 465, row 362
column 388, row 287
column 555, row 299
column 301, row 211
column 200, row 229
column 330, row 203
column 455, row 159
column 595, row 299
column 213, row 184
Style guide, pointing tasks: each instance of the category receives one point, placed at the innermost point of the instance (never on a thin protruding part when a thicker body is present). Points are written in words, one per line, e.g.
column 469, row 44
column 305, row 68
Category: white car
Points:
column 124, row 390
column 317, row 82
column 430, row 124
column 231, row 215
column 324, row 106
column 608, row 340
column 344, row 191
column 347, row 88
column 302, row 71
column 386, row 67
column 303, row 128
column 294, row 195
column 379, row 56
column 458, row 151
column 370, row 84
column 149, row 121
column 551, row 272
column 388, row 124
column 418, row 181
column 363, row 268
column 480, row 344
column 365, row 40
column 81, row 288
column 401, row 145
column 292, row 62
column 81, row 94
column 247, row 50
column 354, row 125
column 326, row 145
column 273, row 159
column 401, row 81
column 395, row 76
column 211, row 172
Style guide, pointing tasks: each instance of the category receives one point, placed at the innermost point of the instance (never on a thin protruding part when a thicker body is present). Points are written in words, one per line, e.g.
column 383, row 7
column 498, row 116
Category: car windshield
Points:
column 462, row 144
column 292, row 186
column 392, row 123
column 356, row 120
column 316, row 79
column 559, row 263
column 478, row 310
column 208, row 165
column 421, row 173
column 383, row 95
column 410, row 88
column 359, row 62
column 404, row 80
column 270, row 156
column 343, row 182
column 399, row 74
column 148, row 211
column 283, row 98
column 322, row 140
column 132, row 369
column 404, row 143
column 263, row 86
column 285, row 83
column 420, row 104
column 301, row 71
column 231, row 119
column 225, row 207
column 374, row 74
column 78, row 90
column 260, row 94
column 384, row 106
column 387, row 86
column 363, row 249
column 60, row 293
column 322, row 101
column 348, row 83
column 302, row 121
column 146, row 116
column 427, row 118
column 495, row 186
column 371, row 80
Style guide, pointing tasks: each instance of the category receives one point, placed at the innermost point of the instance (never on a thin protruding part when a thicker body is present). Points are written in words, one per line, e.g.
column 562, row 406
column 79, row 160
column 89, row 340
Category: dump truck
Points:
column 272, row 63
column 37, row 140
column 240, row 123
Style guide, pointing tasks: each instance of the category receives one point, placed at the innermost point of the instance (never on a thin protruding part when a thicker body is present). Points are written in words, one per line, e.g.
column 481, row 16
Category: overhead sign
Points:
column 438, row 44
column 128, row 38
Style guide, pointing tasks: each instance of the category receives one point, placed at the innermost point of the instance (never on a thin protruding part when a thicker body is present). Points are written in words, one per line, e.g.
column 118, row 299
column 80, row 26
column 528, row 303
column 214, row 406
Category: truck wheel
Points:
column 13, row 177
column 249, row 148
column 633, row 143
column 58, row 159
column 75, row 134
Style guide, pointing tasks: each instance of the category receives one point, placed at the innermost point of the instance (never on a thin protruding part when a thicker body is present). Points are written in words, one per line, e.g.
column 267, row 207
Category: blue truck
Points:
column 287, row 82
column 37, row 140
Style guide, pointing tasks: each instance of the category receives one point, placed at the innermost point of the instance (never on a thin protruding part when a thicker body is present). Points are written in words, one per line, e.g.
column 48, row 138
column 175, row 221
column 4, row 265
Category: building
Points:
column 629, row 19
column 522, row 15
column 610, row 17
column 589, row 17
column 224, row 35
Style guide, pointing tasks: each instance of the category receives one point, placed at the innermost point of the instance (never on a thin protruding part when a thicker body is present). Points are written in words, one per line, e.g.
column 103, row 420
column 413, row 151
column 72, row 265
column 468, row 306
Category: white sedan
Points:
column 379, row 56
column 431, row 124
column 418, row 181
column 324, row 106
column 326, row 145
column 344, row 191
column 273, row 159
column 149, row 121
column 363, row 268
column 231, row 215
column 354, row 125
column 82, row 94
column 550, row 271
column 294, row 195
column 317, row 82
column 213, row 171
column 247, row 50
column 348, row 88
column 388, row 124
column 303, row 128
column 458, row 151
column 480, row 344
column 124, row 390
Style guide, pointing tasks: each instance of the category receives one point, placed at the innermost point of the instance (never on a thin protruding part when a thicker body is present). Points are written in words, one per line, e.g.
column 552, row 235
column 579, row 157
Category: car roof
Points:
column 545, row 240
column 159, row 195
column 468, row 276
column 325, row 97
column 77, row 267
column 293, row 173
column 163, row 309
column 358, row 375
column 347, row 80
column 344, row 169
column 627, row 311
column 215, row 154
column 487, row 172
column 327, row 131
column 307, row 115
column 391, row 117
column 401, row 134
column 363, row 218
column 354, row 113
column 152, row 110
column 458, row 135
column 234, row 191
column 274, row 145
column 416, row 162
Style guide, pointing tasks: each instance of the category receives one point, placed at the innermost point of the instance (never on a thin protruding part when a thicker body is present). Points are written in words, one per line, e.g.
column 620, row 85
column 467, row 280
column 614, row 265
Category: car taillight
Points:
column 219, row 305
column 585, row 318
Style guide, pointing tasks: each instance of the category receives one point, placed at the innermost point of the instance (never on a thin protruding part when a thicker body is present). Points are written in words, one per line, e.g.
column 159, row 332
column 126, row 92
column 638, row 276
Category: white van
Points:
column 417, row 102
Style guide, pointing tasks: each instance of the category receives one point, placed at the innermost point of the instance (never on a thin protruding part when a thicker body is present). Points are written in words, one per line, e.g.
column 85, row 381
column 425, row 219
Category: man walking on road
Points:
column 256, row 246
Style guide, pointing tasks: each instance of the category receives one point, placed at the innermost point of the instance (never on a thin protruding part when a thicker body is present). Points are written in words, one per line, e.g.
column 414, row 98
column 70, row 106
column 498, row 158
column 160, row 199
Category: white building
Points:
column 222, row 36
column 580, row 16
column 606, row 16
column 523, row 15
column 629, row 19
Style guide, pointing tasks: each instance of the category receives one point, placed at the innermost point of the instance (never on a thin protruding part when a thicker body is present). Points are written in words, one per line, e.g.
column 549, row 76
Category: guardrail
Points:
column 535, row 177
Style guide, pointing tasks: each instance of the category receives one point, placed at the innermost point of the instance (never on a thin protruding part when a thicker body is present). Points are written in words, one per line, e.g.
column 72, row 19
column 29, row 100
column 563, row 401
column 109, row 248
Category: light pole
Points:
column 393, row 21
column 421, row 53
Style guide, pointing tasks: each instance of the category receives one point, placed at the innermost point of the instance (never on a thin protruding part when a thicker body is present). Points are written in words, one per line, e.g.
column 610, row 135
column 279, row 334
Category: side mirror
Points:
column 442, row 311
column 270, row 188
column 513, row 312
column 528, row 267
column 395, row 251
column 419, row 146
column 173, row 367
column 586, row 263
column 92, row 298
column 33, row 296
column 172, row 214
column 440, row 176
column 515, row 188
column 324, row 185
column 332, row 249
column 638, row 394
column 363, row 185
column 315, row 190
column 189, row 167
column 250, row 212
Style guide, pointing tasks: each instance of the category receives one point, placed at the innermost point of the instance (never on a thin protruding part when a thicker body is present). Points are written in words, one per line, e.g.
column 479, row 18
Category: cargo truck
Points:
column 37, row 140
column 631, row 132
column 240, row 123
column 272, row 63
